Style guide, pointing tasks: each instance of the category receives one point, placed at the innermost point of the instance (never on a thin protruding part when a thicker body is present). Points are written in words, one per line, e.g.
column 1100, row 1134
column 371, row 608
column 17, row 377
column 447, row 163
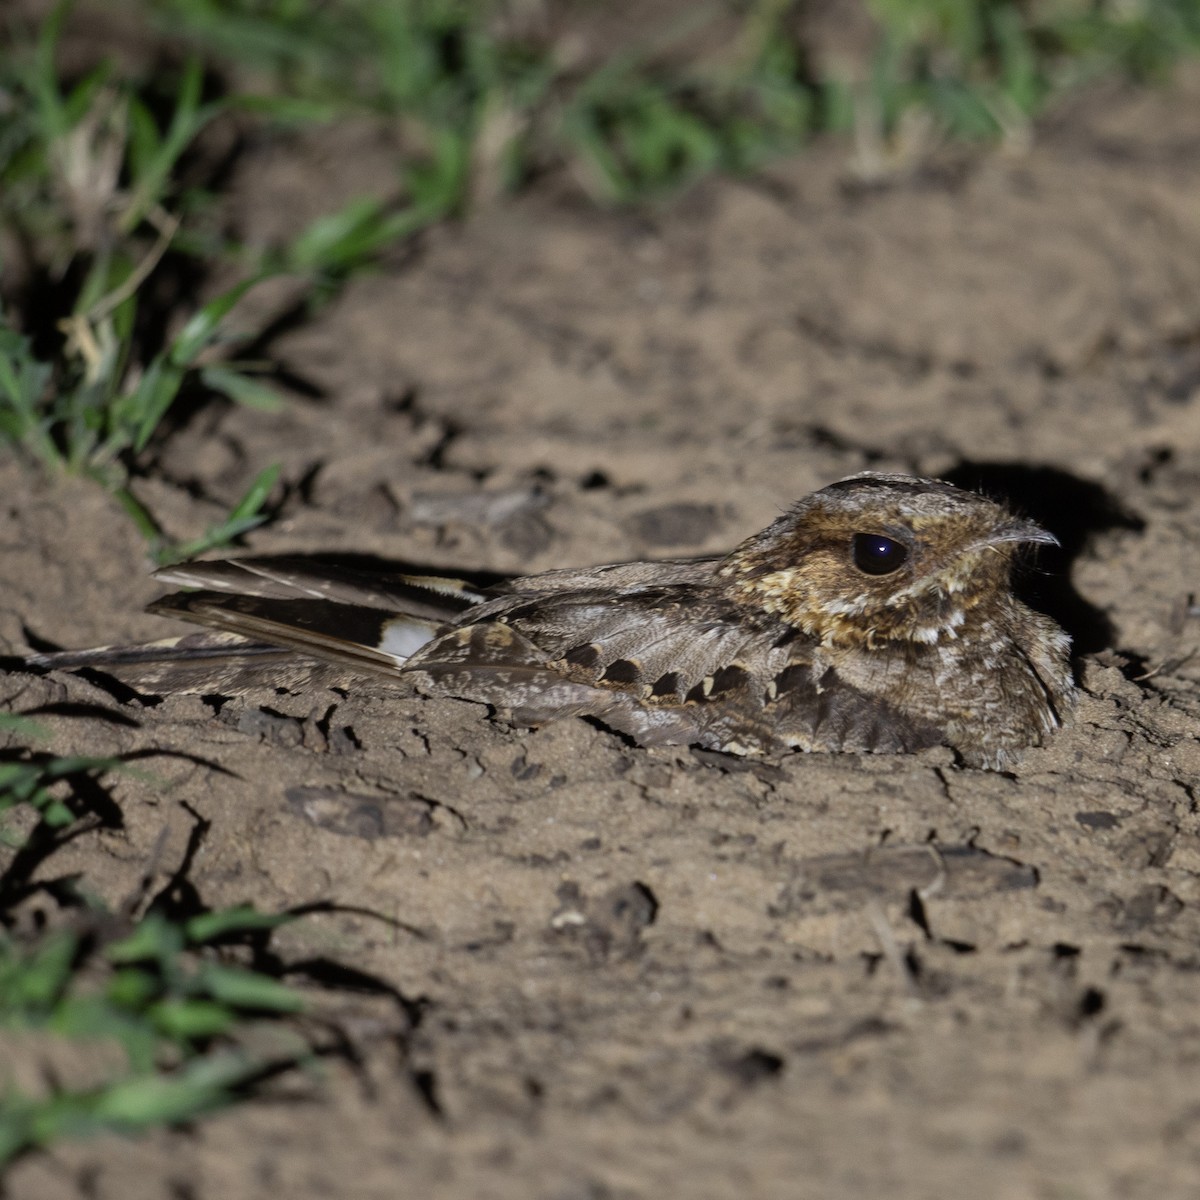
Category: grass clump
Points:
column 173, row 1011
column 154, row 985
column 986, row 68
column 91, row 205
column 489, row 101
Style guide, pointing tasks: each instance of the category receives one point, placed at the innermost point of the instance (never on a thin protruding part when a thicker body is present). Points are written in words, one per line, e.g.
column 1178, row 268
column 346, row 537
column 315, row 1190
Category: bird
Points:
column 876, row 615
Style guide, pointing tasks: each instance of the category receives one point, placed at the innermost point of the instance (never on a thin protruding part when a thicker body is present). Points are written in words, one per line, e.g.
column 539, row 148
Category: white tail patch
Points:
column 404, row 636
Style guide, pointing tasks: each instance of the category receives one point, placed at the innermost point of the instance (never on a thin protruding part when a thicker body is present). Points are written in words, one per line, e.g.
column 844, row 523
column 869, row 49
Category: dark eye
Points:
column 877, row 555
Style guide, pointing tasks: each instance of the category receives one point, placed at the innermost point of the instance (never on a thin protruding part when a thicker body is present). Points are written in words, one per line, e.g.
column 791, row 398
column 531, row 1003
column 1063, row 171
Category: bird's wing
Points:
column 264, row 609
column 663, row 664
column 436, row 597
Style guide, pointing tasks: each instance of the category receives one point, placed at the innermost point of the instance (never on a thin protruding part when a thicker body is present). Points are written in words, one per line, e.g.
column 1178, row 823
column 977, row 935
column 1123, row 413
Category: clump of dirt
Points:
column 625, row 973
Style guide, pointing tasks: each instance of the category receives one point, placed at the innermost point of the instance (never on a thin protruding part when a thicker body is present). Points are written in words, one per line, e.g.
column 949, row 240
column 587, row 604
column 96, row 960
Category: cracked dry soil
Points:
column 620, row 974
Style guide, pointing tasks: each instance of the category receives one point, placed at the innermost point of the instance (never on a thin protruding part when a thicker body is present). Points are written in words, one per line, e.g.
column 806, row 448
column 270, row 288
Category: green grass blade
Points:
column 208, row 927
column 202, row 328
column 248, row 989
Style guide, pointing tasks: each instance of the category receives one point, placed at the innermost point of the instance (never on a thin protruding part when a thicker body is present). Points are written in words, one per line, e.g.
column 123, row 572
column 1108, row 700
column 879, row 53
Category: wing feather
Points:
column 435, row 597
column 352, row 635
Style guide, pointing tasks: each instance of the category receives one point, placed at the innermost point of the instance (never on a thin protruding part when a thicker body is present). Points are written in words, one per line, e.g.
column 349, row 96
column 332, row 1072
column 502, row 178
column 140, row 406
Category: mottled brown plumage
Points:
column 876, row 615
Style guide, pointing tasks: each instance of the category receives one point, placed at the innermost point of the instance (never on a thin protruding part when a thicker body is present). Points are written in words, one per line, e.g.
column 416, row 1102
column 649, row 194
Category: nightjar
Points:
column 875, row 615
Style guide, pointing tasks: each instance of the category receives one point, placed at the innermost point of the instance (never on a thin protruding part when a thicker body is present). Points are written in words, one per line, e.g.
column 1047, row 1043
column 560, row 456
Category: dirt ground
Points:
column 621, row 974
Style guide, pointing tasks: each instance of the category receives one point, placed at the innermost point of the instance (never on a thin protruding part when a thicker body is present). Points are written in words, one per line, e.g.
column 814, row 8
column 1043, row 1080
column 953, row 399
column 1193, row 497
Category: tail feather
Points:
column 188, row 647
column 264, row 609
column 351, row 634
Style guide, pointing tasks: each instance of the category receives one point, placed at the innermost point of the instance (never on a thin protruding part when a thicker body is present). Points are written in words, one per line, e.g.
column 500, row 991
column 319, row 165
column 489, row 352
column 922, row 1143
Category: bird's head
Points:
column 881, row 558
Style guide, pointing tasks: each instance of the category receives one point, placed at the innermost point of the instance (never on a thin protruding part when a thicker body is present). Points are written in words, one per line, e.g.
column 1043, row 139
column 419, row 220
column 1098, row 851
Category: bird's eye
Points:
column 878, row 555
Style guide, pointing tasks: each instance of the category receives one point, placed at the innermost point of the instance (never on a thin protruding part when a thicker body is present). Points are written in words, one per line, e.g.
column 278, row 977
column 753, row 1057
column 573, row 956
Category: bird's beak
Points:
column 1021, row 531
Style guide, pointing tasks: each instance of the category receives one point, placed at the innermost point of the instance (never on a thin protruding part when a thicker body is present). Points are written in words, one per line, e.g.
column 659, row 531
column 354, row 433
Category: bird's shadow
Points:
column 1072, row 509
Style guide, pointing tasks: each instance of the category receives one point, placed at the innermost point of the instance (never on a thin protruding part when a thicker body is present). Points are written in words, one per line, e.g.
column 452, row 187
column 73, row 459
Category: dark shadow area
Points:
column 1074, row 510
column 90, row 802
column 70, row 708
column 179, row 900
column 88, row 796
